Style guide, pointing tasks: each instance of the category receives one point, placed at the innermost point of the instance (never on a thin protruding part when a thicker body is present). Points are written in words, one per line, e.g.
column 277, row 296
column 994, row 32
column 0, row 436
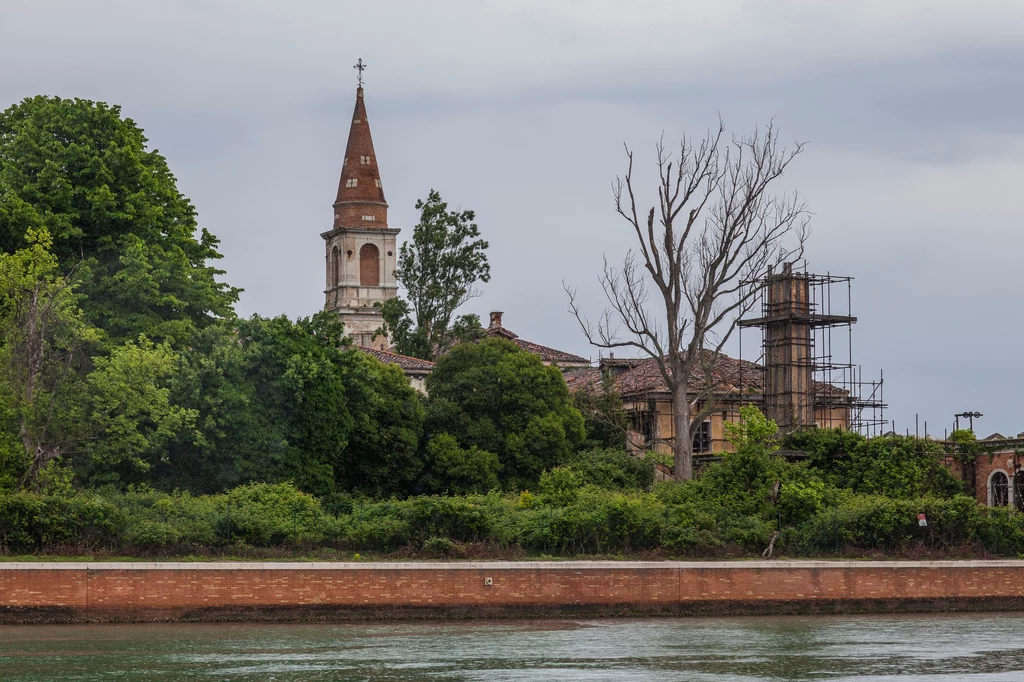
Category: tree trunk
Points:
column 682, row 444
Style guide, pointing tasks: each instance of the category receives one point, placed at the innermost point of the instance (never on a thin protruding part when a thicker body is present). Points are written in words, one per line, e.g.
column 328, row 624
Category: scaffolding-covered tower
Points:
column 804, row 385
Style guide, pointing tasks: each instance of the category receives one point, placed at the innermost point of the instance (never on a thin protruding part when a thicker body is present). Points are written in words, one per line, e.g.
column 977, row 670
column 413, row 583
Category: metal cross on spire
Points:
column 360, row 67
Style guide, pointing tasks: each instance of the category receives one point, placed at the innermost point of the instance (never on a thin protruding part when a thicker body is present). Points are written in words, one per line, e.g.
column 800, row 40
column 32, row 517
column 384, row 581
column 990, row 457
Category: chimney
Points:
column 495, row 319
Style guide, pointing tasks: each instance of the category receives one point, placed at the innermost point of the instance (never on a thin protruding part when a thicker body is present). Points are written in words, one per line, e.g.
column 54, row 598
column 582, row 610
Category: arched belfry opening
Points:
column 369, row 265
column 335, row 267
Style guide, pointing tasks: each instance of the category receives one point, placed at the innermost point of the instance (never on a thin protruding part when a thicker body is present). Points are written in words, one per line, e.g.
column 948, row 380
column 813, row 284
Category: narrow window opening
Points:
column 352, row 182
column 702, row 437
column 999, row 490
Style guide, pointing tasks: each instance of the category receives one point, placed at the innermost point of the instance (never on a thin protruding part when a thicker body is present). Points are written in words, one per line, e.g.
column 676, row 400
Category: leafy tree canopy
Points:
column 43, row 355
column 271, row 405
column 500, row 399
column 382, row 455
column 284, row 401
column 114, row 212
column 439, row 269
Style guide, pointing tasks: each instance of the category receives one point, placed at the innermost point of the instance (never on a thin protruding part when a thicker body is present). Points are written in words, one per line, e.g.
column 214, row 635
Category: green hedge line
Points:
column 558, row 520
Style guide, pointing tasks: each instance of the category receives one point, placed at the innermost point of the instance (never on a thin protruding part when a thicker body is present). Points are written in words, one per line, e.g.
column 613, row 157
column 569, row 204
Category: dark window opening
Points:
column 1000, row 489
column 1018, row 489
column 702, row 437
column 642, row 421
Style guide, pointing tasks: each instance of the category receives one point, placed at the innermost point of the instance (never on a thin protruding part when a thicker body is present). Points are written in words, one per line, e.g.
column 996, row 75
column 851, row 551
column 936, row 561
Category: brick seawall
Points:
column 84, row 592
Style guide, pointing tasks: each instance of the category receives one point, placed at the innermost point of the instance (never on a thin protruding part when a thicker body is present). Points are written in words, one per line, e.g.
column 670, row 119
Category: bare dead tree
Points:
column 715, row 230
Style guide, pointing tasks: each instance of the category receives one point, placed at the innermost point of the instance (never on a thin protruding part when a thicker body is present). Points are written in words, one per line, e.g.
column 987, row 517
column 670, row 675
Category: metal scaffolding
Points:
column 806, row 353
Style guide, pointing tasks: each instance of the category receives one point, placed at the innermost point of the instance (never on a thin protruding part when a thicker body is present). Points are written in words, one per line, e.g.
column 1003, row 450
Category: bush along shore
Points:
column 867, row 502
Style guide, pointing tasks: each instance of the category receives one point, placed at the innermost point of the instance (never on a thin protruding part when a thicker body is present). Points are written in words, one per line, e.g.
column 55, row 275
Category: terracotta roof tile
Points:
column 545, row 353
column 582, row 378
column 728, row 374
column 408, row 364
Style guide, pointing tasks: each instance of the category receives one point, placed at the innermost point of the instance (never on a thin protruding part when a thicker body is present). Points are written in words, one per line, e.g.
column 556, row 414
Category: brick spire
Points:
column 360, row 200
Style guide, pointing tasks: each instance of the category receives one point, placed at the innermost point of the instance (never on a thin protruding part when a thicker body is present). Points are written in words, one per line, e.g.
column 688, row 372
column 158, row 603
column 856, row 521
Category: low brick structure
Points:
column 84, row 592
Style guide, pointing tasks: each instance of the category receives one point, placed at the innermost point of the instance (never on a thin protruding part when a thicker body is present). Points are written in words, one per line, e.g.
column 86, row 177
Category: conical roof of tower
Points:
column 360, row 191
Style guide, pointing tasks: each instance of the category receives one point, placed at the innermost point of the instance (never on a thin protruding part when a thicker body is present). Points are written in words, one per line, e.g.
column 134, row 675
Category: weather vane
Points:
column 360, row 67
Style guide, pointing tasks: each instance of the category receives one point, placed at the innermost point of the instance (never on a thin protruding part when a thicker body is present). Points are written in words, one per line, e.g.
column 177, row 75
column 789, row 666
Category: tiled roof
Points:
column 729, row 375
column 550, row 354
column 582, row 378
column 545, row 353
column 409, row 365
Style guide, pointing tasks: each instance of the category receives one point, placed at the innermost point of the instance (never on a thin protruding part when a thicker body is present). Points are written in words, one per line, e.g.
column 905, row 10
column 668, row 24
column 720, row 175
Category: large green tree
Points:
column 43, row 354
column 131, row 418
column 114, row 211
column 382, row 455
column 498, row 398
column 271, row 405
column 439, row 269
column 107, row 414
column 286, row 401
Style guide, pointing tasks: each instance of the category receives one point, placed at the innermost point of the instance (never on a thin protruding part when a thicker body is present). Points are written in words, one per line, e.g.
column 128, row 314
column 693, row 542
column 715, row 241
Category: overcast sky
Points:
column 913, row 111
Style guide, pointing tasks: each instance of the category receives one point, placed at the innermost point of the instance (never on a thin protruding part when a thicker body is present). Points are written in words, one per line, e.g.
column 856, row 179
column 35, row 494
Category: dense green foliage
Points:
column 597, row 502
column 438, row 268
column 285, row 401
column 79, row 170
column 496, row 397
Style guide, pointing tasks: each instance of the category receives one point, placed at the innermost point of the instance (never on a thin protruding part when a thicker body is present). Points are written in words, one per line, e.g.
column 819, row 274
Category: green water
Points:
column 979, row 647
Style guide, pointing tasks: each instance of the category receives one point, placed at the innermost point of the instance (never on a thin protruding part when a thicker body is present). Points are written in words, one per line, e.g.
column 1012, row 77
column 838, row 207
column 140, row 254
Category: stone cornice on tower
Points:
column 360, row 202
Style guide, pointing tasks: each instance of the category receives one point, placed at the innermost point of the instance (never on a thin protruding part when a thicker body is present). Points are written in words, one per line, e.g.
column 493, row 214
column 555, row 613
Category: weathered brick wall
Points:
column 981, row 471
column 285, row 591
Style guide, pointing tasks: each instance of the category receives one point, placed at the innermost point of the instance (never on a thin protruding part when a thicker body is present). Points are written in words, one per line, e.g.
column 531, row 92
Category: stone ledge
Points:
column 491, row 565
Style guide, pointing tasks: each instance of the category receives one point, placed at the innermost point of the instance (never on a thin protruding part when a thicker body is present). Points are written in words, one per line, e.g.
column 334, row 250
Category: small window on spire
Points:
column 369, row 218
column 377, row 182
column 364, row 160
column 352, row 182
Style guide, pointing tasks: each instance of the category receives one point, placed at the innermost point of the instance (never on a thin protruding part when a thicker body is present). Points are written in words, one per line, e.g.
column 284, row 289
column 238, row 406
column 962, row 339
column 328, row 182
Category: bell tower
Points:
column 360, row 249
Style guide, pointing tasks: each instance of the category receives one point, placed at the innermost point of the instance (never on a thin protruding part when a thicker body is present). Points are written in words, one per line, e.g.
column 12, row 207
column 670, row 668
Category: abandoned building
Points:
column 996, row 473
column 797, row 381
column 648, row 401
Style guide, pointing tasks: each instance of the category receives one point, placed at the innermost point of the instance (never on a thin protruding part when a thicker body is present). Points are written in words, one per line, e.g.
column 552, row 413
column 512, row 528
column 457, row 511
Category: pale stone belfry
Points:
column 361, row 253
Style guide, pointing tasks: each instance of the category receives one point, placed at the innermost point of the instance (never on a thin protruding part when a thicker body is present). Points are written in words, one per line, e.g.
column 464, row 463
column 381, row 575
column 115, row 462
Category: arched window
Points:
column 1018, row 490
column 998, row 490
column 369, row 265
column 335, row 267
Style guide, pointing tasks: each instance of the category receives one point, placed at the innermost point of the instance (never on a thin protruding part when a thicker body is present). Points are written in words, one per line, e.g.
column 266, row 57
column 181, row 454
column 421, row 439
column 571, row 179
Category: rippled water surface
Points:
column 980, row 647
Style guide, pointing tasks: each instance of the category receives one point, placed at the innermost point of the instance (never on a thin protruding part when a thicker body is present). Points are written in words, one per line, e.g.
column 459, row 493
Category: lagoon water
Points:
column 871, row 648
